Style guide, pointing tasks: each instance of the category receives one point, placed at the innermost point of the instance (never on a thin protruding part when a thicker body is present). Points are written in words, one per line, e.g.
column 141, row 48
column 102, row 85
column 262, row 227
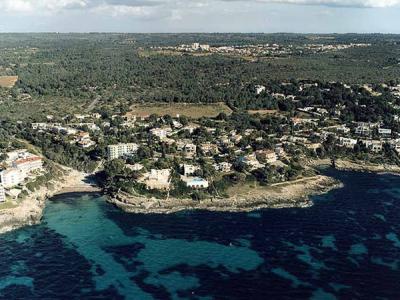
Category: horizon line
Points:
column 199, row 32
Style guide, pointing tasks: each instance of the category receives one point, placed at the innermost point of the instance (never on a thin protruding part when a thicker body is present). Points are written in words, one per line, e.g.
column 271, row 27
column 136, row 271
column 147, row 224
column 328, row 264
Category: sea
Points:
column 346, row 246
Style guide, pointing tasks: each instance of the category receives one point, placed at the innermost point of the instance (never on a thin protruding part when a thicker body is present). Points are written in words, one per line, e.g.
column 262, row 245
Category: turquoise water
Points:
column 346, row 246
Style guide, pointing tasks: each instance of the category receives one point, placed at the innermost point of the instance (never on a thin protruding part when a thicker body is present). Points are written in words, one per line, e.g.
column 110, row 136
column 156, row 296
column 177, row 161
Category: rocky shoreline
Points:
column 282, row 195
column 285, row 195
column 357, row 166
column 30, row 210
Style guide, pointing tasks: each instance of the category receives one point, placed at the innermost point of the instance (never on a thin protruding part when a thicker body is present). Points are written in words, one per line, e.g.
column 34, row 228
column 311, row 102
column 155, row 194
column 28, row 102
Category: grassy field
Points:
column 8, row 205
column 38, row 108
column 8, row 81
column 255, row 189
column 195, row 111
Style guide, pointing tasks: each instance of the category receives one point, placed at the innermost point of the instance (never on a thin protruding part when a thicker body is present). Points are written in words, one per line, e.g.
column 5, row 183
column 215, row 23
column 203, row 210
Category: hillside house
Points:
column 158, row 179
column 259, row 89
column 347, row 142
column 224, row 167
column 373, row 145
column 252, row 162
column 209, row 149
column 269, row 156
column 189, row 169
column 385, row 132
column 190, row 150
column 161, row 132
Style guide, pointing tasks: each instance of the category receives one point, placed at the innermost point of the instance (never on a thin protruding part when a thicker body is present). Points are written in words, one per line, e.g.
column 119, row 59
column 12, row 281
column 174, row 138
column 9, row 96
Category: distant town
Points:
column 260, row 50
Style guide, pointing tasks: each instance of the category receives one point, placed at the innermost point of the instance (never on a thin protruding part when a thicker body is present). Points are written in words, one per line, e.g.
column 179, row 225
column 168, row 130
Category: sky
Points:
column 303, row 16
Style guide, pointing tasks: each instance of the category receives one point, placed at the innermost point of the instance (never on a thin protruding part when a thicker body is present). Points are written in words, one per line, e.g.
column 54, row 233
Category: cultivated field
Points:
column 8, row 81
column 191, row 110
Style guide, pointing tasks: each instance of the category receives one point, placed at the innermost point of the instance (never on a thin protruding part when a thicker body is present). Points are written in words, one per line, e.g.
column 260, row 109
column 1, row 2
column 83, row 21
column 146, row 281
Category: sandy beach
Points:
column 30, row 210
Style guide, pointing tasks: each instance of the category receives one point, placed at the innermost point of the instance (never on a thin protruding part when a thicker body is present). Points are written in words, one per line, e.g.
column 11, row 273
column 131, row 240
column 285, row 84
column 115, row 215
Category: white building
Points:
column 343, row 129
column 205, row 47
column 36, row 126
column 191, row 128
column 279, row 150
column 252, row 162
column 322, row 111
column 158, row 179
column 195, row 46
column 11, row 177
column 259, row 89
column 17, row 154
column 161, row 132
column 80, row 117
column 64, row 130
column 376, row 146
column 189, row 169
column 177, row 124
column 119, row 150
column 385, row 132
column 96, row 115
column 373, row 145
column 195, row 182
column 268, row 156
column 86, row 143
column 363, row 129
column 347, row 142
column 190, row 149
column 209, row 148
column 135, row 167
column 224, row 167
column 395, row 145
column 2, row 194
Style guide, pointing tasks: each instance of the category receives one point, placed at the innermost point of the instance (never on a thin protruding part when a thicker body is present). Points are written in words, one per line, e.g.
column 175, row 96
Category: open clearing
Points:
column 8, row 81
column 41, row 106
column 263, row 112
column 192, row 110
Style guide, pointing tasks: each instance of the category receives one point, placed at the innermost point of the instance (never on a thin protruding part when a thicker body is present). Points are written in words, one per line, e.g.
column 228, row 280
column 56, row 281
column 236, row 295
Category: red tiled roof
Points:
column 27, row 160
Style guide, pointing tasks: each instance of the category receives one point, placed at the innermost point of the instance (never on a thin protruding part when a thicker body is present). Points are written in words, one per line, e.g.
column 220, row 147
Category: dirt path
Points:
column 93, row 104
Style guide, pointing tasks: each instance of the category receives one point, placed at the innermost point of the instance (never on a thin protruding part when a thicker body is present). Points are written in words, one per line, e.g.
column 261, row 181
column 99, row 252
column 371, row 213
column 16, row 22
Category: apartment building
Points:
column 2, row 194
column 28, row 164
column 119, row 150
column 11, row 177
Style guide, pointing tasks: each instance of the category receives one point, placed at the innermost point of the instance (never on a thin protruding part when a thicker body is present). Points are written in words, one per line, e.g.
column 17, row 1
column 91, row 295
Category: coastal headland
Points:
column 281, row 195
column 292, row 194
column 295, row 193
